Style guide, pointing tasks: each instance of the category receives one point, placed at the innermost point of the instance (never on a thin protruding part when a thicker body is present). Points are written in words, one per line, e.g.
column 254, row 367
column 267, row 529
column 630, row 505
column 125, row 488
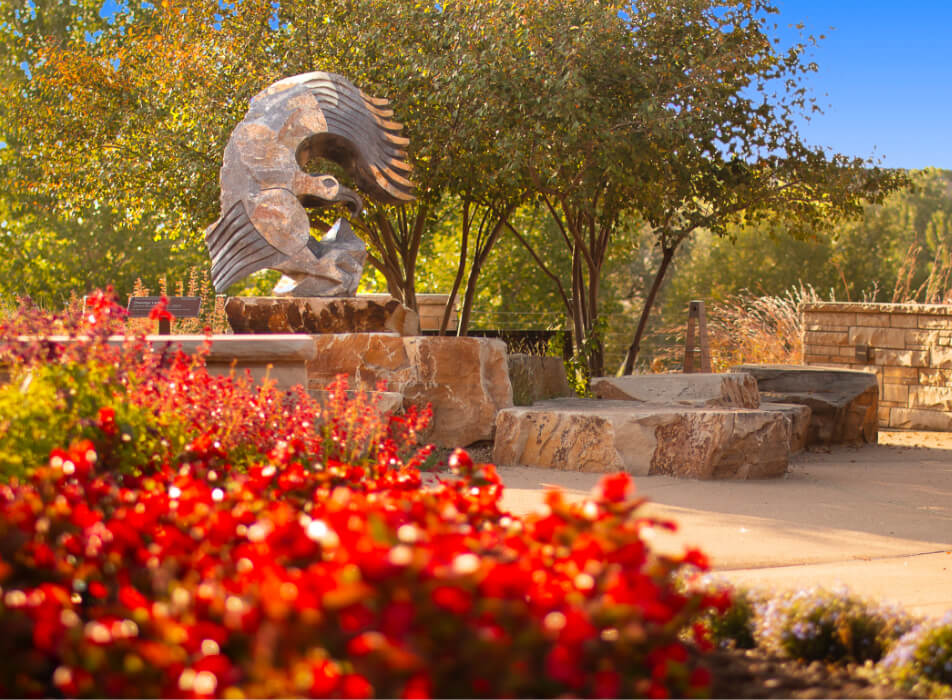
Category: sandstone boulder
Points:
column 384, row 401
column 598, row 435
column 319, row 315
column 716, row 390
column 466, row 380
column 535, row 378
column 844, row 403
column 799, row 417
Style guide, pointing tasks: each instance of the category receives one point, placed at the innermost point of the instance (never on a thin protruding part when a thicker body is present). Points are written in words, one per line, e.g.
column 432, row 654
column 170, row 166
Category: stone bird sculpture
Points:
column 265, row 191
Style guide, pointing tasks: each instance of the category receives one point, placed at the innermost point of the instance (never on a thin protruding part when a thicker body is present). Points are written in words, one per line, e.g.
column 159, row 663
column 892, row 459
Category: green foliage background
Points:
column 113, row 129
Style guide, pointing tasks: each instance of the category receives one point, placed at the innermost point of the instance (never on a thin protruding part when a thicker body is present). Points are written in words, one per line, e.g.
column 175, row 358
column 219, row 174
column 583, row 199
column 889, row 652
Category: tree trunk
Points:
column 480, row 254
column 460, row 270
column 666, row 255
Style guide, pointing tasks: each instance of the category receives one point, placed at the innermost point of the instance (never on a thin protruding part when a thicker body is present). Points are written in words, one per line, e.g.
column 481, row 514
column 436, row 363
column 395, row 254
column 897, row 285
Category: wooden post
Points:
column 697, row 316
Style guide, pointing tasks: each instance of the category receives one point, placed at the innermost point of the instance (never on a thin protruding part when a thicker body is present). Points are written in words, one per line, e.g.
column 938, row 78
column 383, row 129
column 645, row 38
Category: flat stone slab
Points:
column 320, row 315
column 535, row 378
column 599, row 435
column 717, row 390
column 844, row 403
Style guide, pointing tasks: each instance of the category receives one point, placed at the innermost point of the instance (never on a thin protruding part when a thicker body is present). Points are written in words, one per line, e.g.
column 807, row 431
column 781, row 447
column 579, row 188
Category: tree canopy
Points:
column 621, row 122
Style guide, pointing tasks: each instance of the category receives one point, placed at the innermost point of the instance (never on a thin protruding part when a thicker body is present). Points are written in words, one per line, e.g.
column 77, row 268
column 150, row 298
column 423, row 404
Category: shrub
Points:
column 821, row 625
column 72, row 377
column 287, row 549
column 921, row 660
column 734, row 626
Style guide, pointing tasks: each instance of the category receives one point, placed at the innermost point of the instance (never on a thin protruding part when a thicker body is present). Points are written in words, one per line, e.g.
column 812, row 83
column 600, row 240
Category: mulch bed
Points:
column 751, row 673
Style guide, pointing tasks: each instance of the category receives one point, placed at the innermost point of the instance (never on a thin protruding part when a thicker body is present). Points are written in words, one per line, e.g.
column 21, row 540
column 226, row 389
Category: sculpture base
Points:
column 320, row 315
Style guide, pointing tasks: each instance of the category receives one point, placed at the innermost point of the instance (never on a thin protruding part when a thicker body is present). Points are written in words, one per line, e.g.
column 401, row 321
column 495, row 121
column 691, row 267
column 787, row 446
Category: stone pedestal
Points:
column 430, row 308
column 465, row 380
column 320, row 315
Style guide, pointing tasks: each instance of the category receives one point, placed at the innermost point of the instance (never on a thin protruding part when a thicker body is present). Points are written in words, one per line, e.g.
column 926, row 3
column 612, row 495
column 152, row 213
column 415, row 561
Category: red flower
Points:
column 356, row 686
column 700, row 678
column 453, row 599
column 160, row 312
column 607, row 684
column 614, row 488
column 419, row 686
column 131, row 598
column 107, row 420
column 696, row 557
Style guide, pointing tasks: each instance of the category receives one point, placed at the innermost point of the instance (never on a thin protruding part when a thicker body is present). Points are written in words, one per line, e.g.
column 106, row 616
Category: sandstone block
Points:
column 878, row 337
column 827, row 338
column 466, row 380
column 799, row 417
column 901, row 375
column 900, row 320
column 941, row 357
column 920, row 419
column 536, row 378
column 903, row 358
column 844, row 402
column 937, row 397
column 932, row 377
column 896, row 392
column 603, row 435
column 279, row 358
column 318, row 315
column 384, row 401
column 935, row 321
column 726, row 390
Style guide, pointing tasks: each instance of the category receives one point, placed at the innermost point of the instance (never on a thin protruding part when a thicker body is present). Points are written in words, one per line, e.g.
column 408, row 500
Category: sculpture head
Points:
column 266, row 188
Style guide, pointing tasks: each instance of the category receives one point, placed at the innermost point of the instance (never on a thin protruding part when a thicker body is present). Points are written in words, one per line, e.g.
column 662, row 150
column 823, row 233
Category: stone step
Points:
column 603, row 435
column 715, row 390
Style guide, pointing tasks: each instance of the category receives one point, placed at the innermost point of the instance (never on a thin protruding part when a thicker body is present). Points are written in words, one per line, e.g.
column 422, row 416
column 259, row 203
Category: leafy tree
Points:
column 729, row 150
column 898, row 250
column 153, row 94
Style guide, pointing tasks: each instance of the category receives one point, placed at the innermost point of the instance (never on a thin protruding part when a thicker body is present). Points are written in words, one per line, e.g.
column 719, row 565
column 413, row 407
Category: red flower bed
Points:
column 326, row 567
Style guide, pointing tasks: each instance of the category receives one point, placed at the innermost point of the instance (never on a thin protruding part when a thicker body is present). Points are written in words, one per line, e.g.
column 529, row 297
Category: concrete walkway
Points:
column 877, row 519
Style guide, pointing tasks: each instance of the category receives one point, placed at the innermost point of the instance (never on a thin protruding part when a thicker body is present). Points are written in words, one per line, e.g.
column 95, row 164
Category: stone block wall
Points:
column 908, row 346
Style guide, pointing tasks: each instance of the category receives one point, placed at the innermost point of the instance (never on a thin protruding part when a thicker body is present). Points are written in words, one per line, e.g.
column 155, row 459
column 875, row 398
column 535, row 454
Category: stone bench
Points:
column 725, row 390
column 844, row 403
column 603, row 435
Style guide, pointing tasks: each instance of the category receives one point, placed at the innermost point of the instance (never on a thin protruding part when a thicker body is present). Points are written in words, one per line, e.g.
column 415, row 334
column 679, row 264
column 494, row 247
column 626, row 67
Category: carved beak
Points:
column 350, row 199
column 320, row 190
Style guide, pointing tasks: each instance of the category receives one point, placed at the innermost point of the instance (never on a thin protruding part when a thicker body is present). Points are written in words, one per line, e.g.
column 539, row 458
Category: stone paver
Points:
column 876, row 518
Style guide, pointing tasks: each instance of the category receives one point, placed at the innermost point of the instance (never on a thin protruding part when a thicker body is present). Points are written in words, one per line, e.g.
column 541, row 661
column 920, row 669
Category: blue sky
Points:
column 884, row 80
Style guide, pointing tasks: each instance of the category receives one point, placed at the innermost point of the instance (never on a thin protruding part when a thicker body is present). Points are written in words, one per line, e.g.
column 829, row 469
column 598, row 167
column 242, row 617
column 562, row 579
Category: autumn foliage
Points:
column 290, row 549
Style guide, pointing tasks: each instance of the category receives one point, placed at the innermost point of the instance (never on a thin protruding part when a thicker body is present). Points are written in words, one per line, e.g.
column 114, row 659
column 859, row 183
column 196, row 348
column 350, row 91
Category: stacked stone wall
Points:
column 908, row 346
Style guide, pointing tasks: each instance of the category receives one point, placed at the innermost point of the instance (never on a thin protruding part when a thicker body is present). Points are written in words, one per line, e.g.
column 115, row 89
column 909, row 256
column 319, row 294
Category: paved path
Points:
column 877, row 518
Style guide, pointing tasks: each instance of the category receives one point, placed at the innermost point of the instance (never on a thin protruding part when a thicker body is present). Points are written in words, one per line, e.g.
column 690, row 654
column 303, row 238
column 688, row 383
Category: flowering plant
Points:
column 822, row 625
column 289, row 549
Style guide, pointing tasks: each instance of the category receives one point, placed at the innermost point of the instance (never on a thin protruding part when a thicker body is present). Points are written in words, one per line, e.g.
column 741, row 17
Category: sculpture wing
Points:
column 360, row 137
column 237, row 249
